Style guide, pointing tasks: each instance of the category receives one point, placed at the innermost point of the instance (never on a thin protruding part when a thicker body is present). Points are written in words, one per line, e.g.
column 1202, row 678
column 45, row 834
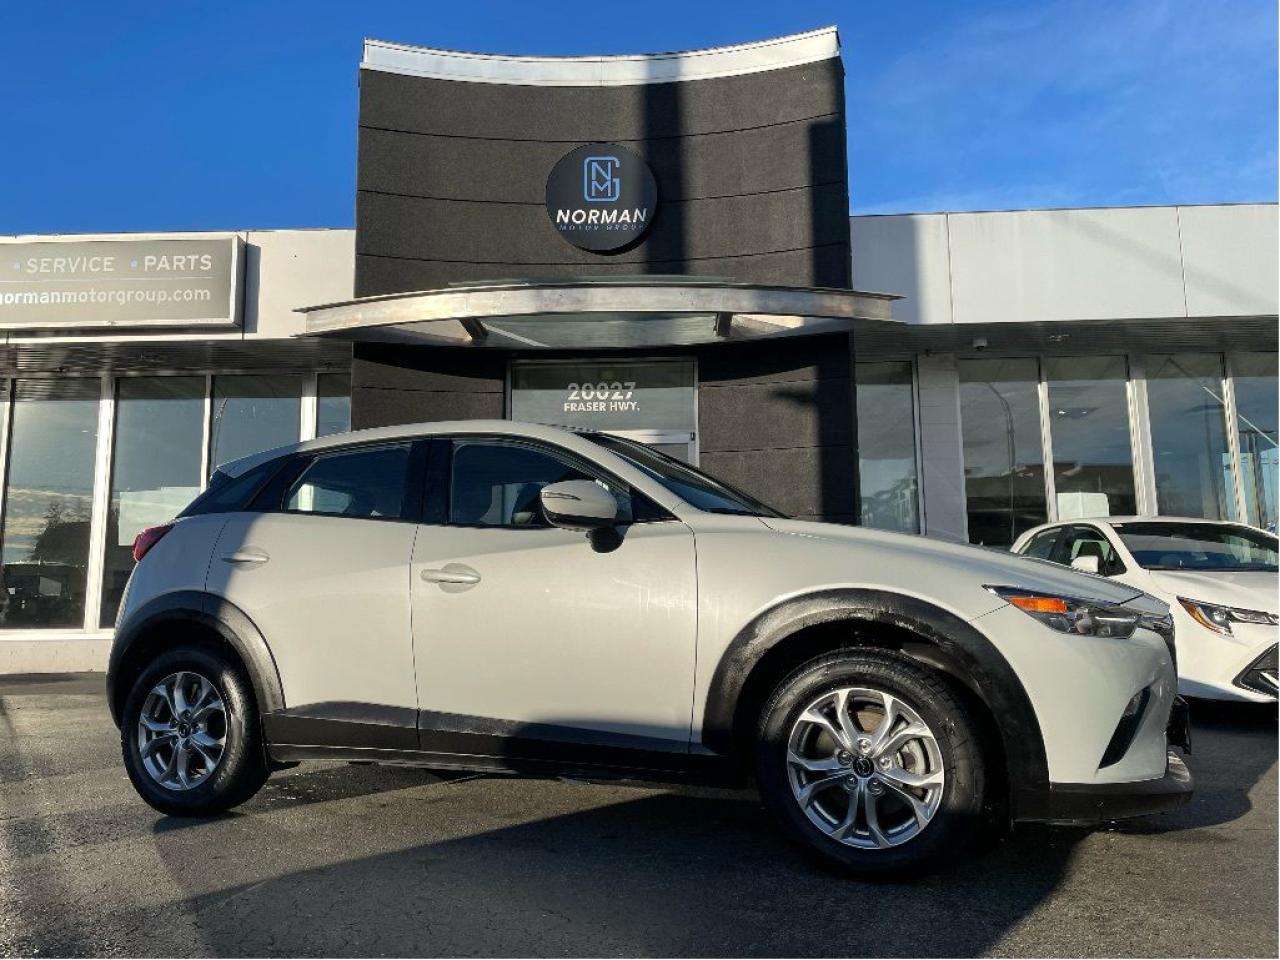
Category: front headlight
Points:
column 1219, row 619
column 1077, row 615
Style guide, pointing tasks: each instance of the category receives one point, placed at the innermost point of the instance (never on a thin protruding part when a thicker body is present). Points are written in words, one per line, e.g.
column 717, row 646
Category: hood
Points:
column 989, row 566
column 1246, row 589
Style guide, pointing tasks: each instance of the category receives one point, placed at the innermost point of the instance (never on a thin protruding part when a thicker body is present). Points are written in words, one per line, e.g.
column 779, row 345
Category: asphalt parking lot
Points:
column 345, row 861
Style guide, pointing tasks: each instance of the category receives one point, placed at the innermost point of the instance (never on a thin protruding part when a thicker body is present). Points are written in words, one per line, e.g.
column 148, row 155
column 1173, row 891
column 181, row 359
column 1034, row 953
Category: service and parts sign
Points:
column 601, row 197
column 53, row 284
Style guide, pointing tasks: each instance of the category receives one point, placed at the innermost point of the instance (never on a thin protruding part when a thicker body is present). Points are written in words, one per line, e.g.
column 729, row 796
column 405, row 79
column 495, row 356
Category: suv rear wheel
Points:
column 873, row 762
column 189, row 734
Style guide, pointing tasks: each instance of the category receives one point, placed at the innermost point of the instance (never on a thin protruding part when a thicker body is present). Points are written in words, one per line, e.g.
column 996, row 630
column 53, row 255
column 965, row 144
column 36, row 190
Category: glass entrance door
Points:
column 652, row 401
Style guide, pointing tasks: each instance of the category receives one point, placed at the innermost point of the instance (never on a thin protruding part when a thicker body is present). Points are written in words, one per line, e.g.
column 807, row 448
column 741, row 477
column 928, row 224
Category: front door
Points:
column 324, row 574
column 537, row 641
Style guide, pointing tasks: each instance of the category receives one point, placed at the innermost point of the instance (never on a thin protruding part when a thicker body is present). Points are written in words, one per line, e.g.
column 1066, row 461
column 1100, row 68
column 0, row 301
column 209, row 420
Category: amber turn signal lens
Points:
column 1039, row 604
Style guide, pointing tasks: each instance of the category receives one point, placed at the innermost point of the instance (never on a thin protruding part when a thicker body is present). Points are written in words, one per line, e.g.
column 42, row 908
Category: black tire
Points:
column 959, row 815
column 242, row 768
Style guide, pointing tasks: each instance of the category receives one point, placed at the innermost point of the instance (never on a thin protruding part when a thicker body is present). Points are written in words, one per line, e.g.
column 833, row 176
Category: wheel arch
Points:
column 785, row 636
column 148, row 631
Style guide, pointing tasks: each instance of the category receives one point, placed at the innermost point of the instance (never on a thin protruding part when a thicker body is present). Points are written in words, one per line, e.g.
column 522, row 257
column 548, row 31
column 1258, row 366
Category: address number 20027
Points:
column 602, row 391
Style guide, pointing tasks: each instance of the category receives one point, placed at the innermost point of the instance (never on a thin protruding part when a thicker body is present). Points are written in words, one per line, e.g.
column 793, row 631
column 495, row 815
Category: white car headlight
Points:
column 1219, row 618
column 1077, row 615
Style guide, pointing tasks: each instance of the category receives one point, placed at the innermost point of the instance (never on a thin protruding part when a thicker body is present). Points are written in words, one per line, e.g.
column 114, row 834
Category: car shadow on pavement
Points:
column 663, row 871
column 669, row 873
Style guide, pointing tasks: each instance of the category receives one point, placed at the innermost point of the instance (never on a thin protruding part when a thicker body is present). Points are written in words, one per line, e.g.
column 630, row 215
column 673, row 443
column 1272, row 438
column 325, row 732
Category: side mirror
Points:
column 579, row 505
column 1086, row 564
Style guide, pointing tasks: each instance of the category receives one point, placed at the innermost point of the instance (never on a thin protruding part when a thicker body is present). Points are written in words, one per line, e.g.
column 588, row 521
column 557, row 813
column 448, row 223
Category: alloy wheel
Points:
column 182, row 730
column 865, row 768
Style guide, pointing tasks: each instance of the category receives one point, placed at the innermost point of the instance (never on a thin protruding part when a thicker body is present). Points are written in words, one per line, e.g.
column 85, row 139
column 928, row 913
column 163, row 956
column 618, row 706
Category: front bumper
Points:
column 1085, row 803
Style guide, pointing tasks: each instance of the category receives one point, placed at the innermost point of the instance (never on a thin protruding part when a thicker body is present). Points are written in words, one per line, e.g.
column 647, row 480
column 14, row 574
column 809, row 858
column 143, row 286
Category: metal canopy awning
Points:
column 596, row 313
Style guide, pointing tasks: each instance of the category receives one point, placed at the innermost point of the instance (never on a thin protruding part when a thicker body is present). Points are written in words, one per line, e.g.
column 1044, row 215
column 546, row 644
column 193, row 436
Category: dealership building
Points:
column 656, row 246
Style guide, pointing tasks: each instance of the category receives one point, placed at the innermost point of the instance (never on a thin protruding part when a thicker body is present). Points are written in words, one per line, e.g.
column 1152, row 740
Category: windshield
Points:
column 692, row 486
column 1198, row 546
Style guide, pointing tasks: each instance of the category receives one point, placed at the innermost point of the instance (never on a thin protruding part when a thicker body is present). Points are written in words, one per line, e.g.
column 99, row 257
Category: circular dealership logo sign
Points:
column 601, row 196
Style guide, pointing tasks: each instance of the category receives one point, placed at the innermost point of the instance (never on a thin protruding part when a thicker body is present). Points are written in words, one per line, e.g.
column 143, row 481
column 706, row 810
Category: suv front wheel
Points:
column 873, row 762
column 189, row 734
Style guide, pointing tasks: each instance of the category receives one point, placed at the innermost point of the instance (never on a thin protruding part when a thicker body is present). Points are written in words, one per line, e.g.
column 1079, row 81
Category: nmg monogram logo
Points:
column 601, row 197
column 600, row 180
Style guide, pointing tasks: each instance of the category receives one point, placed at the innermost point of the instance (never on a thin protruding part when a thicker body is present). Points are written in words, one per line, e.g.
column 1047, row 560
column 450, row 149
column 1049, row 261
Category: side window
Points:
column 227, row 494
column 1041, row 545
column 496, row 484
column 366, row 483
column 1090, row 542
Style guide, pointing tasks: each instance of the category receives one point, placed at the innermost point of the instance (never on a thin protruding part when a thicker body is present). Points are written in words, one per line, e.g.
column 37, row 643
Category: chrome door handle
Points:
column 450, row 573
column 250, row 555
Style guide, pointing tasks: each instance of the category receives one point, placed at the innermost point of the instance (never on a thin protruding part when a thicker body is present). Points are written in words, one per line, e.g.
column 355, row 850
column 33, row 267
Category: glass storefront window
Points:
column 159, row 426
column 1003, row 458
column 44, row 541
column 1089, row 428
column 652, row 401
column 333, row 403
column 619, row 397
column 887, row 446
column 1188, row 436
column 1254, row 378
column 252, row 414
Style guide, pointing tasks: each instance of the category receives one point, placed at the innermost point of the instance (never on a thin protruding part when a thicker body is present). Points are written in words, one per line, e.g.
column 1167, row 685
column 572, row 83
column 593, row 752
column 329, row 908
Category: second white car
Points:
column 1219, row 579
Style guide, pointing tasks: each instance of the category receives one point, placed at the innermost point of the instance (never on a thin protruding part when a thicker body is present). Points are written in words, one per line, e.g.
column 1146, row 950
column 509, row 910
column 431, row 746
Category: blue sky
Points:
column 225, row 114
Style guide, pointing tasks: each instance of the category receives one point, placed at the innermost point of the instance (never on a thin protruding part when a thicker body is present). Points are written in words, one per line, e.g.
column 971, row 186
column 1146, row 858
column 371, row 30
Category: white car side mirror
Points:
column 1087, row 564
column 579, row 505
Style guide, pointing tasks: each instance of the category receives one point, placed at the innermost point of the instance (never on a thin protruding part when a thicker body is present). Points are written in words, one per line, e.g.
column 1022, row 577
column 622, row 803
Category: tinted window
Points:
column 1197, row 546
column 1257, row 404
column 356, row 483
column 155, row 470
column 1089, row 424
column 52, row 444
column 692, row 486
column 226, row 493
column 1090, row 542
column 1189, row 436
column 1003, row 458
column 252, row 414
column 1041, row 545
column 498, row 484
column 333, row 403
column 887, row 446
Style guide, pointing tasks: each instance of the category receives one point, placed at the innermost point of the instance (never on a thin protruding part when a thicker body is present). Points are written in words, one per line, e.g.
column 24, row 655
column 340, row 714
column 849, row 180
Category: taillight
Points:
column 147, row 539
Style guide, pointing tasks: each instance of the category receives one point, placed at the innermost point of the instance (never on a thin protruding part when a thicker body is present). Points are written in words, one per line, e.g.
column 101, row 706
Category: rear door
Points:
column 538, row 641
column 322, row 568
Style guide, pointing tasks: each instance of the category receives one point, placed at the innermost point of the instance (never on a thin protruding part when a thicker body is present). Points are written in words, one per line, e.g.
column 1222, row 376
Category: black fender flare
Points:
column 208, row 610
column 985, row 670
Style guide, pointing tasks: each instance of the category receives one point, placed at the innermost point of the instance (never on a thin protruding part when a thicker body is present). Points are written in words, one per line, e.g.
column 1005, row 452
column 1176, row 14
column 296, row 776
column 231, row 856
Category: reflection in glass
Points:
column 1089, row 426
column 48, row 502
column 1003, row 459
column 1188, row 436
column 252, row 414
column 333, row 403
column 887, row 446
column 1254, row 377
column 155, row 468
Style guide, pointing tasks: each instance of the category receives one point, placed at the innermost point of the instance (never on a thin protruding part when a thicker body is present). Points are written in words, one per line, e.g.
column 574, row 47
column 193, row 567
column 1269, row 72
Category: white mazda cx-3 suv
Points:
column 503, row 597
